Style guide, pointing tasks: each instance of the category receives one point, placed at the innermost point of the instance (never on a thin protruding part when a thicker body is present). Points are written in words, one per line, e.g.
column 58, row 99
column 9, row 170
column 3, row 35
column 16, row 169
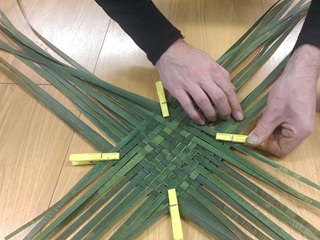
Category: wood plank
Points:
column 78, row 28
column 122, row 63
column 33, row 145
column 79, row 33
column 12, row 11
column 24, row 150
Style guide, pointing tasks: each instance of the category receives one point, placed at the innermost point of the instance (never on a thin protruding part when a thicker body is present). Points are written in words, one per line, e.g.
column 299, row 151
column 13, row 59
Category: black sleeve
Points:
column 310, row 32
column 144, row 23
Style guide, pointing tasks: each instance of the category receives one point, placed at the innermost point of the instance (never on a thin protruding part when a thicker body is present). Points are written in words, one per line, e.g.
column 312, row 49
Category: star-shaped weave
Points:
column 157, row 154
column 161, row 154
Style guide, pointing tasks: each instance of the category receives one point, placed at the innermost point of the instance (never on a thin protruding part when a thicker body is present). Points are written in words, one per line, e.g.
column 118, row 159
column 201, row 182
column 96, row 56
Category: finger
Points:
column 188, row 106
column 263, row 130
column 203, row 102
column 228, row 88
column 219, row 99
column 214, row 91
column 236, row 109
column 284, row 139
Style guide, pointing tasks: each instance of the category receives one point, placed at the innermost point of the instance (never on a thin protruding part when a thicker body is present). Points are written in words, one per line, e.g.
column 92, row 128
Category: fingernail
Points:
column 252, row 139
column 239, row 115
column 201, row 122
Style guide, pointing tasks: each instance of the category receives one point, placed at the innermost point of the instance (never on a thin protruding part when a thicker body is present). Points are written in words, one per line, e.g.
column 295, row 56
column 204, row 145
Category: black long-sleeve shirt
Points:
column 310, row 32
column 154, row 34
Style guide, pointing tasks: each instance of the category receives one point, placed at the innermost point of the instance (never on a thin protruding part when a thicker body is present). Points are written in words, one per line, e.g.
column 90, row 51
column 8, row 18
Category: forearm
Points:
column 310, row 32
column 144, row 23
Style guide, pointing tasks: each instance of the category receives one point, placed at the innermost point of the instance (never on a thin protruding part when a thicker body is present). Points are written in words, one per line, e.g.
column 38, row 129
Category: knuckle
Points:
column 229, row 91
column 262, row 128
column 202, row 101
column 226, row 74
column 225, row 112
column 214, row 67
column 219, row 97
column 200, row 71
column 273, row 115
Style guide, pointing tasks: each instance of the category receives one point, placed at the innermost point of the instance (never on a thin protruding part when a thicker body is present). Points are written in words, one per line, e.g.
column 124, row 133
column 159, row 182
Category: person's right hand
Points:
column 193, row 77
column 289, row 116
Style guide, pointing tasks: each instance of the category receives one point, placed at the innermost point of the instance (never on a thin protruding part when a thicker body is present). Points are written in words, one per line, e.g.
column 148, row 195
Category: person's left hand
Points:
column 290, row 112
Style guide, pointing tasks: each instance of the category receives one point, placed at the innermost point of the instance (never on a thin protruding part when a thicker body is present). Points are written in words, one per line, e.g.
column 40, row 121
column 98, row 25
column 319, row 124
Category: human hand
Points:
column 290, row 112
column 191, row 75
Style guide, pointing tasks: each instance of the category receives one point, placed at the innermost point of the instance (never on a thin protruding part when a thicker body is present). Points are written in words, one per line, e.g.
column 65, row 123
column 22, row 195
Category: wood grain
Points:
column 34, row 144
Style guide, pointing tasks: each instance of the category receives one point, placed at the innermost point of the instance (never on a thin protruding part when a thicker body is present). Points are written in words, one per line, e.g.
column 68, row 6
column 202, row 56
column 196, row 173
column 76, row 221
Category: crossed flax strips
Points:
column 158, row 154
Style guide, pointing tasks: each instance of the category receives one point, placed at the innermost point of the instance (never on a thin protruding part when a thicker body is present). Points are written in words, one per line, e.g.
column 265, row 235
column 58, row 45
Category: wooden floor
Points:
column 35, row 145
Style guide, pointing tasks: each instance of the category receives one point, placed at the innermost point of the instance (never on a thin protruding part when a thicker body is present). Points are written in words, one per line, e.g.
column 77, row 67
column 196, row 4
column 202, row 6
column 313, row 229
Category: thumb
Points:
column 263, row 130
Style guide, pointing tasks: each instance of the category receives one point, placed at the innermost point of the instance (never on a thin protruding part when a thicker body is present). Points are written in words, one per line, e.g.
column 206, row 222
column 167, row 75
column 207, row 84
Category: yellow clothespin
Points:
column 175, row 215
column 92, row 158
column 231, row 137
column 162, row 99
